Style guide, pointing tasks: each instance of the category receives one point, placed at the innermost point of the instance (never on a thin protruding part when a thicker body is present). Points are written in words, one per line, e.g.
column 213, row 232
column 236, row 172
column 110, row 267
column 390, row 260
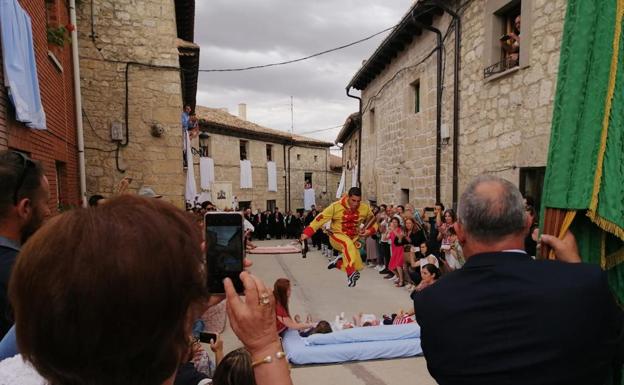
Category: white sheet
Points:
column 245, row 174
column 190, row 192
column 272, row 176
column 341, row 185
column 354, row 173
column 206, row 172
column 309, row 198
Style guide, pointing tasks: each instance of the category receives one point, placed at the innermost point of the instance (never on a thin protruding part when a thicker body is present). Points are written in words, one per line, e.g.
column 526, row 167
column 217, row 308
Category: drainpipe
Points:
column 457, row 21
column 438, row 103
column 77, row 95
column 284, row 176
column 359, row 163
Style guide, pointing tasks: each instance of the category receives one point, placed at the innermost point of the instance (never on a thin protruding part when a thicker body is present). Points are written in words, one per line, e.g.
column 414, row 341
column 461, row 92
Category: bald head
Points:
column 491, row 208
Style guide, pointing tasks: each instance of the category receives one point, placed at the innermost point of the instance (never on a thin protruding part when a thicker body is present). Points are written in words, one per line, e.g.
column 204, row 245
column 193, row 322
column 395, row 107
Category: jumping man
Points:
column 345, row 215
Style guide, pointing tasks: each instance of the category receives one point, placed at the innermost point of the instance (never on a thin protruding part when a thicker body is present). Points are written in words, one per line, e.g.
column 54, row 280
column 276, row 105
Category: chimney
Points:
column 242, row 111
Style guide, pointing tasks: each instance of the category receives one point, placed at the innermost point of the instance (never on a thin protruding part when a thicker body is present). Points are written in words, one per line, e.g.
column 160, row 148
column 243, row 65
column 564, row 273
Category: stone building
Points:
column 228, row 140
column 138, row 67
column 501, row 122
column 55, row 146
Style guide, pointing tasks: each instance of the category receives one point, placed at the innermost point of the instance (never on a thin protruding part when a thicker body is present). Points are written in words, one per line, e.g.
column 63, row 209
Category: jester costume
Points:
column 343, row 234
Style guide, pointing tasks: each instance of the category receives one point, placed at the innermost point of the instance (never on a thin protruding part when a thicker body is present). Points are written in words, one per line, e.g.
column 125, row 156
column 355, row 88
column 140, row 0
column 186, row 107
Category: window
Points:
column 204, row 145
column 298, row 156
column 416, row 89
column 244, row 205
column 404, row 196
column 532, row 182
column 307, row 178
column 508, row 36
column 269, row 152
column 244, row 149
column 271, row 205
column 315, row 158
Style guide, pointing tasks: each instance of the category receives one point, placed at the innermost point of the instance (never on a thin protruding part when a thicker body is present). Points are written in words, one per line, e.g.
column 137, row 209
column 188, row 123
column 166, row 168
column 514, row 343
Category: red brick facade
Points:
column 55, row 147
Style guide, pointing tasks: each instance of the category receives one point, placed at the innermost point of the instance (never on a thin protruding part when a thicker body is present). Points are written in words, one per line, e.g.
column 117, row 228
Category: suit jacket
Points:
column 505, row 318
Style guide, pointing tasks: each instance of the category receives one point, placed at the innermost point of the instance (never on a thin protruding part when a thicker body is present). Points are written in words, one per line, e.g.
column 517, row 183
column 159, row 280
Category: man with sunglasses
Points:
column 24, row 195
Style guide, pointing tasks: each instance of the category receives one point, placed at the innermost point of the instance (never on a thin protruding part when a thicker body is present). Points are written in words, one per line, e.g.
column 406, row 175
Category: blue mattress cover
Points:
column 371, row 344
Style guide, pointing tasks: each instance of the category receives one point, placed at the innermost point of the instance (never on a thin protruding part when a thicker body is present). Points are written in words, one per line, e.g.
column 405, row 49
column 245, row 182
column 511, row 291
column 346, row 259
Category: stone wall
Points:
column 398, row 144
column 131, row 31
column 225, row 152
column 505, row 122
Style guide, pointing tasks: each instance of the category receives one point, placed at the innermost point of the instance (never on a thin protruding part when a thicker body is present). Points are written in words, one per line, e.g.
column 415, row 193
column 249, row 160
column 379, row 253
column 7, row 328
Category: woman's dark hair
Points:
column 106, row 295
column 426, row 245
column 94, row 199
column 235, row 369
column 433, row 270
column 451, row 212
column 322, row 327
column 280, row 291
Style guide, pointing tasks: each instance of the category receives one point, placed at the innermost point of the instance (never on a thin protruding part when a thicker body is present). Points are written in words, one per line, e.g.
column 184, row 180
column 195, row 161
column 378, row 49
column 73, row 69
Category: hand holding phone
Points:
column 505, row 37
column 225, row 251
column 207, row 338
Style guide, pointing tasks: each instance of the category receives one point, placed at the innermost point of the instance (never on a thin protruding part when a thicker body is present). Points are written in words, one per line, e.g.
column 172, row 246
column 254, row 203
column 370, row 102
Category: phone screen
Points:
column 224, row 250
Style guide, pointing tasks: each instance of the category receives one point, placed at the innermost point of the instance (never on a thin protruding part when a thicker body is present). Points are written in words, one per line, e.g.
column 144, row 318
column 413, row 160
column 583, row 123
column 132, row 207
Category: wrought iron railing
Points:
column 501, row 66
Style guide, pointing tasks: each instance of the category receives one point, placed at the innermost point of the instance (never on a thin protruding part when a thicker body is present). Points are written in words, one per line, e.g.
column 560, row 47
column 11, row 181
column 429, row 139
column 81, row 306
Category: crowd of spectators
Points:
column 411, row 243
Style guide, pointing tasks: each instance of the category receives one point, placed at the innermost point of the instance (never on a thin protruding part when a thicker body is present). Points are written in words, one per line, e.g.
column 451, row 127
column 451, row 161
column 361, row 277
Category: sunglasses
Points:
column 26, row 163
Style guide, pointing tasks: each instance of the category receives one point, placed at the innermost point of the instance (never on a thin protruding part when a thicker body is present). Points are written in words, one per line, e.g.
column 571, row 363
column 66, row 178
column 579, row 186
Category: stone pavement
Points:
column 324, row 294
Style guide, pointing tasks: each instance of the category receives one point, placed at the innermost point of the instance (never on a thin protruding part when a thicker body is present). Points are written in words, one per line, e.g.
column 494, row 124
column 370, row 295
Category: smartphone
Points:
column 225, row 250
column 504, row 38
column 415, row 249
column 207, row 337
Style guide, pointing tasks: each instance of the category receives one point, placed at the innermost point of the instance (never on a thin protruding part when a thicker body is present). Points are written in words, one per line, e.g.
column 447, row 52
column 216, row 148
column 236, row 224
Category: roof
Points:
column 352, row 124
column 218, row 121
column 401, row 36
column 185, row 19
column 188, row 53
column 335, row 162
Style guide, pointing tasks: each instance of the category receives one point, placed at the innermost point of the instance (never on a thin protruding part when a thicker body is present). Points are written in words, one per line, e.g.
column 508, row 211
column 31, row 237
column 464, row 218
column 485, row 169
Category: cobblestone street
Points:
column 324, row 294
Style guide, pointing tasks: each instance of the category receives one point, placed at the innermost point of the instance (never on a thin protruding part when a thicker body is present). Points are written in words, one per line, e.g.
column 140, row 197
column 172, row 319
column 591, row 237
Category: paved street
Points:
column 324, row 294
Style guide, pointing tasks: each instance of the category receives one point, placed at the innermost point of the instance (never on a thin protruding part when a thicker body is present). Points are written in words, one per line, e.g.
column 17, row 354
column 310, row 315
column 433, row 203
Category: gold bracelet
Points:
column 268, row 359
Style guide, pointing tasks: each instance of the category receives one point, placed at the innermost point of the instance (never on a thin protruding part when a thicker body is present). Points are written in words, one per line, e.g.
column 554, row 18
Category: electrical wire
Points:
column 299, row 59
column 319, row 130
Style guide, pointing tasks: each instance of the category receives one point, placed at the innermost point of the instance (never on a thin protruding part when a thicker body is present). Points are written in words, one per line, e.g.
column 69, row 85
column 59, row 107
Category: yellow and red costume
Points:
column 344, row 231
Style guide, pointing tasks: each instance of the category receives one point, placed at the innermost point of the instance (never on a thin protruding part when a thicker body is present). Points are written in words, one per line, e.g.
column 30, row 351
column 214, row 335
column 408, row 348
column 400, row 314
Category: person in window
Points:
column 511, row 43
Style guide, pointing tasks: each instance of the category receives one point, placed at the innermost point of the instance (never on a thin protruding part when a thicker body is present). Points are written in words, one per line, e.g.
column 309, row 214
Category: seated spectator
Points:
column 85, row 304
column 281, row 291
column 429, row 275
column 419, row 257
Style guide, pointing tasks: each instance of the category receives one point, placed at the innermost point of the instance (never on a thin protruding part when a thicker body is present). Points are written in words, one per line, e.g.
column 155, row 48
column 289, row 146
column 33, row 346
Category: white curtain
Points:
column 245, row 174
column 206, row 172
column 191, row 188
column 272, row 176
column 341, row 185
column 309, row 198
column 354, row 174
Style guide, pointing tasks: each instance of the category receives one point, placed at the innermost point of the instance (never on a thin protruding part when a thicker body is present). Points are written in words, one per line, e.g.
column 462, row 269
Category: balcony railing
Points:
column 499, row 67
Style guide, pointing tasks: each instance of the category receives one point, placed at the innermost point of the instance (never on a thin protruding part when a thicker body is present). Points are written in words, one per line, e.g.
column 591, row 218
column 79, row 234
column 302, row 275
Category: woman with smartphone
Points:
column 70, row 284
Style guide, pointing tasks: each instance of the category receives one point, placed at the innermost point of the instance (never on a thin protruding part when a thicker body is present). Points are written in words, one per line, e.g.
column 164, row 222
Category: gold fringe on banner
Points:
column 592, row 212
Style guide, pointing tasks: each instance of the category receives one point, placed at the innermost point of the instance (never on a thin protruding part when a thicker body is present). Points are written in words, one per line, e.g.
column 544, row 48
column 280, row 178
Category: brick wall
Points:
column 58, row 142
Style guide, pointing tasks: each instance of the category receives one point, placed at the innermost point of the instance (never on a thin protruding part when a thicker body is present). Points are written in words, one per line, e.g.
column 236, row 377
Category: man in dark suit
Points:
column 506, row 319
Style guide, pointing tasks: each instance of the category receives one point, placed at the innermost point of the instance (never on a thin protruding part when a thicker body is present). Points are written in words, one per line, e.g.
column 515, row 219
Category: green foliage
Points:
column 58, row 36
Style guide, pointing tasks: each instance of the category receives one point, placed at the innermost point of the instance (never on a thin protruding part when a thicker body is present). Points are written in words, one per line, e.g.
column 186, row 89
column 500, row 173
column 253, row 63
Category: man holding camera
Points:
column 348, row 217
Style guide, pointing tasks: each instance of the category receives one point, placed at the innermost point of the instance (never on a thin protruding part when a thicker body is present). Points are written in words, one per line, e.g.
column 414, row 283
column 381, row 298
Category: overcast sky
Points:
column 244, row 33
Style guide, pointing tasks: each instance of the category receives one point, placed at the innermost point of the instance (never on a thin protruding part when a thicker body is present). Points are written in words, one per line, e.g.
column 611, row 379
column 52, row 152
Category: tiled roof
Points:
column 211, row 119
column 352, row 124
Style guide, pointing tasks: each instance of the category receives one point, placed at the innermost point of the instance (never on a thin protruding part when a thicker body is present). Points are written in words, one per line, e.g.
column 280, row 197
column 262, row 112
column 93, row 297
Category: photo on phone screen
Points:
column 224, row 250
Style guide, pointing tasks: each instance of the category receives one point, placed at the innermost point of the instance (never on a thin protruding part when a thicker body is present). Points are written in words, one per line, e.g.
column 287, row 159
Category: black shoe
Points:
column 353, row 278
column 385, row 271
column 333, row 263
